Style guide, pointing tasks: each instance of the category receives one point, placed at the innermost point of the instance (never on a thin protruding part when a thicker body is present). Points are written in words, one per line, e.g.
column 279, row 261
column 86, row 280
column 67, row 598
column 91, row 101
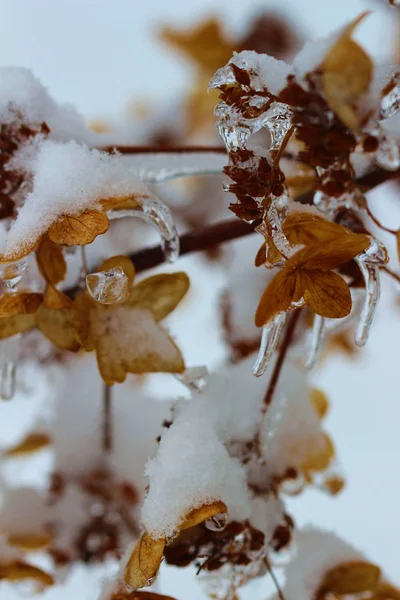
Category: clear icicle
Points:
column 317, row 338
column 11, row 275
column 278, row 120
column 193, row 378
column 156, row 213
column 368, row 263
column 269, row 341
column 108, row 287
column 9, row 354
column 390, row 103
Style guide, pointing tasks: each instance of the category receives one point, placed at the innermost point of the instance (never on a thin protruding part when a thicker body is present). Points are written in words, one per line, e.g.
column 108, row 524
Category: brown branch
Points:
column 107, row 419
column 163, row 149
column 391, row 273
column 288, row 337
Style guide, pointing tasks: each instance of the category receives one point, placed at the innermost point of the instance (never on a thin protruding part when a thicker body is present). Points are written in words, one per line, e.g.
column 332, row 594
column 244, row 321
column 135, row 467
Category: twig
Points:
column 107, row 419
column 281, row 358
column 274, row 579
column 163, row 149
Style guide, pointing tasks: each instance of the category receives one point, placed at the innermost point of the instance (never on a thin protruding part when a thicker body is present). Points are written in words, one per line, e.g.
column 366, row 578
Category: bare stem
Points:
column 281, row 359
column 274, row 579
column 107, row 419
column 164, row 149
column 391, row 273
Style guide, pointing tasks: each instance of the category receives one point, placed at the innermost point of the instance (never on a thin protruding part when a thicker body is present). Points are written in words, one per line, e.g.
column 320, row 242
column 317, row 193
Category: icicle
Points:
column 269, row 341
column 317, row 338
column 368, row 263
column 193, row 378
column 108, row 287
column 217, row 522
column 9, row 354
column 11, row 275
column 277, row 234
column 156, row 213
column 390, row 103
column 232, row 127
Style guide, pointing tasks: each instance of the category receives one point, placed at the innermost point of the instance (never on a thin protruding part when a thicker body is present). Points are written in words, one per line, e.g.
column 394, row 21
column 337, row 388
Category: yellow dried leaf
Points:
column 10, row 326
column 320, row 402
column 159, row 294
column 32, row 443
column 144, row 562
column 55, row 299
column 385, row 591
column 204, row 512
column 30, row 542
column 326, row 294
column 24, row 303
column 206, row 45
column 79, row 229
column 353, row 577
column 124, row 203
column 277, row 297
column 50, row 260
column 308, row 228
column 261, row 255
column 139, row 596
column 57, row 326
column 330, row 255
column 334, row 484
column 318, row 460
column 19, row 571
column 119, row 261
column 130, row 341
column 346, row 75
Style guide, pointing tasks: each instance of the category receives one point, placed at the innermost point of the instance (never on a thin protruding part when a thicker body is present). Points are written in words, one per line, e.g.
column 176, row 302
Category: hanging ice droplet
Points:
column 217, row 522
column 9, row 354
column 390, row 103
column 278, row 120
column 108, row 287
column 269, row 341
column 193, row 378
column 317, row 338
column 156, row 213
column 368, row 263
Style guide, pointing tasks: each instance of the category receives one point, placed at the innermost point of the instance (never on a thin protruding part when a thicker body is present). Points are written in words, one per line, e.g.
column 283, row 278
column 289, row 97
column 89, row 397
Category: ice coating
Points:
column 9, row 355
column 156, row 213
column 108, row 287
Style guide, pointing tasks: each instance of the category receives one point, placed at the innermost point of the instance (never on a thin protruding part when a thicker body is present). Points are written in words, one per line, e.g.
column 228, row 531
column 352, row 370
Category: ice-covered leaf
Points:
column 159, row 294
column 326, row 293
column 202, row 513
column 56, row 325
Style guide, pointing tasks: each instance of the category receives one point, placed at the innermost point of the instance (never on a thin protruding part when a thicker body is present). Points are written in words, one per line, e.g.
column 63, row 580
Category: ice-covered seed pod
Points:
column 390, row 103
column 278, row 121
column 269, row 342
column 369, row 263
column 156, row 213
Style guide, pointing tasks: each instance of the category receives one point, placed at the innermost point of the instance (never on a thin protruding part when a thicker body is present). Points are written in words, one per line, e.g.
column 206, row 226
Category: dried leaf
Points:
column 55, row 299
column 57, row 326
column 330, row 255
column 204, row 512
column 50, row 260
column 159, row 294
column 334, row 484
column 308, row 228
column 30, row 542
column 385, row 591
column 144, row 562
column 79, row 229
column 19, row 571
column 119, row 261
column 326, row 294
column 261, row 255
column 320, row 402
column 10, row 326
column 318, row 460
column 129, row 340
column 277, row 297
column 24, row 303
column 140, row 596
column 32, row 443
column 353, row 577
column 346, row 75
column 206, row 45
